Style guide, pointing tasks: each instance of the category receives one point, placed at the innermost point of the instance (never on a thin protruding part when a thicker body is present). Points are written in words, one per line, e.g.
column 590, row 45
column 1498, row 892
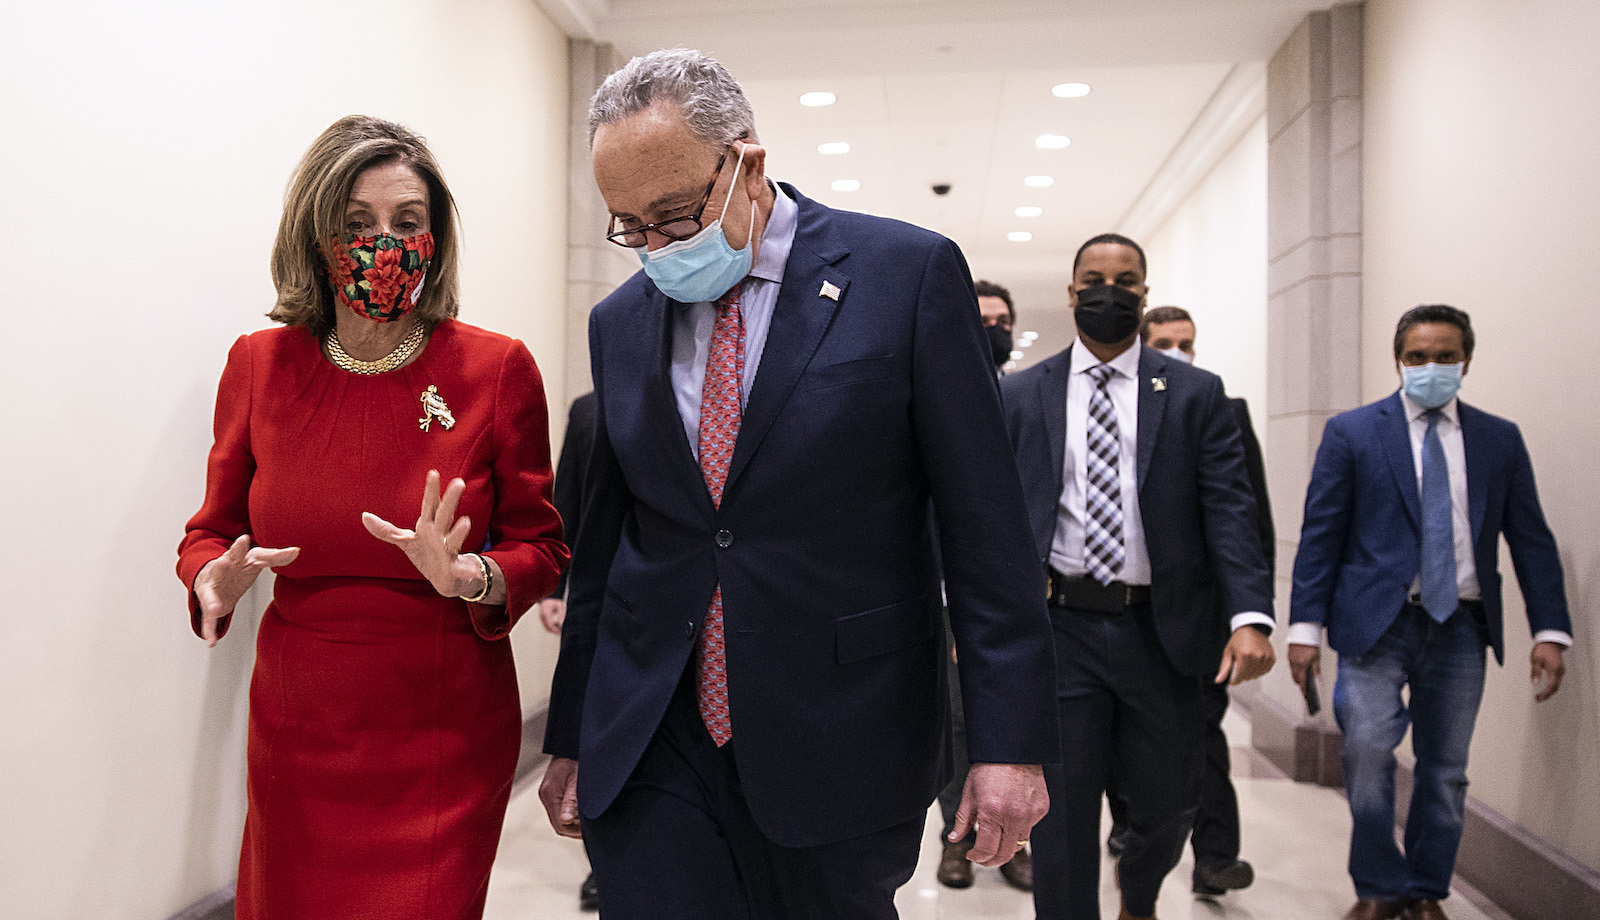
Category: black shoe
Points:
column 1212, row 880
column 589, row 894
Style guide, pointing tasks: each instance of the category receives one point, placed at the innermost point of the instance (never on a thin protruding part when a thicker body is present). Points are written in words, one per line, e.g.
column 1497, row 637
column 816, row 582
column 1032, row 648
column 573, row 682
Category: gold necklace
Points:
column 402, row 353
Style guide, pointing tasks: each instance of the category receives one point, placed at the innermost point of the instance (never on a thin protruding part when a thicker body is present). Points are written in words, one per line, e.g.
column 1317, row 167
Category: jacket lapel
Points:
column 1053, row 383
column 660, row 410
column 1475, row 444
column 1152, row 402
column 1396, row 437
column 799, row 321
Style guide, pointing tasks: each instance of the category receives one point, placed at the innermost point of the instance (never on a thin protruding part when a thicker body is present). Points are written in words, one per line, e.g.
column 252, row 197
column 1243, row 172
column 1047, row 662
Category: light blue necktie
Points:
column 1437, row 580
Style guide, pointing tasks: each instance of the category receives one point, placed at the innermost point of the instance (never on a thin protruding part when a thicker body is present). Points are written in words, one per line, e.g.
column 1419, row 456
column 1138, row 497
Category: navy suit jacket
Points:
column 1361, row 544
column 1195, row 500
column 871, row 414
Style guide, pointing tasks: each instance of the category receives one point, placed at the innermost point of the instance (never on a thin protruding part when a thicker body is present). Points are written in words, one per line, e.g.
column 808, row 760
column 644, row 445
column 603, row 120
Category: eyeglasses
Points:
column 676, row 228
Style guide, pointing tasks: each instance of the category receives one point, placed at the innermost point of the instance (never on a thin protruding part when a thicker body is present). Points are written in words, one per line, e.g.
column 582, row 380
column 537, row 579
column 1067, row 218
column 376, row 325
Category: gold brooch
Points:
column 433, row 407
column 1158, row 383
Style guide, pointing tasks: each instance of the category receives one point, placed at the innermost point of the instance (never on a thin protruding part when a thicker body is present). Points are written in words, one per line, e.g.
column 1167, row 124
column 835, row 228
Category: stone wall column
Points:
column 1314, row 127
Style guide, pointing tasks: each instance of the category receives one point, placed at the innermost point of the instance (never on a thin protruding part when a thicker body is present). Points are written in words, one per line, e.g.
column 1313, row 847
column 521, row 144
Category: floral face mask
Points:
column 379, row 277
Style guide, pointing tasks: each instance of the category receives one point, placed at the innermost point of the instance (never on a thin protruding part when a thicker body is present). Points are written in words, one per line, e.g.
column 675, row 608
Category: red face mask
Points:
column 379, row 277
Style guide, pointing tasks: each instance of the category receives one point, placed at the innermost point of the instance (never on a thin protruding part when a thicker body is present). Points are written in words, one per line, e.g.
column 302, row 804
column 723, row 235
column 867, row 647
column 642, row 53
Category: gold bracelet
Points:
column 488, row 581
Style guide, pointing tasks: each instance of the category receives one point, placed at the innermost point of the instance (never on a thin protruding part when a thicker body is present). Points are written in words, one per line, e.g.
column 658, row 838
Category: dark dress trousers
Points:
column 1130, row 684
column 874, row 411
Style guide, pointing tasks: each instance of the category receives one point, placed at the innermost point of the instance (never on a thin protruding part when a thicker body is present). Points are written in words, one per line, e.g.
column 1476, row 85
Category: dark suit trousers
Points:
column 1216, row 825
column 1123, row 710
column 680, row 842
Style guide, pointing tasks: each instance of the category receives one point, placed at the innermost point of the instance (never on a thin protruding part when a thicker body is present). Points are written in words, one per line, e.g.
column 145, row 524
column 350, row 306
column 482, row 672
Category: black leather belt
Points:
column 1087, row 594
column 1415, row 600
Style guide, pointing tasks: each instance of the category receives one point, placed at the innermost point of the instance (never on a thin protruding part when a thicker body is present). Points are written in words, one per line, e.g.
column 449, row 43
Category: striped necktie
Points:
column 1102, row 526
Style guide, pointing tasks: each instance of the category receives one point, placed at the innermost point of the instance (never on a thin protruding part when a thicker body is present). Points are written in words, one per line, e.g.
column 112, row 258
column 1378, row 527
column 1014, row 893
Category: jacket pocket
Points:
column 883, row 630
column 861, row 370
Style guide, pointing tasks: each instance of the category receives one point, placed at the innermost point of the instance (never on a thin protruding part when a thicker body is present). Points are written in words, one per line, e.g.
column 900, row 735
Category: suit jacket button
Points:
column 724, row 539
column 689, row 633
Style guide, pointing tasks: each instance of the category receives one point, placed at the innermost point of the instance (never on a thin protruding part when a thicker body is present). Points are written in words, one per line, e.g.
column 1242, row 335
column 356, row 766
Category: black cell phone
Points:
column 1313, row 698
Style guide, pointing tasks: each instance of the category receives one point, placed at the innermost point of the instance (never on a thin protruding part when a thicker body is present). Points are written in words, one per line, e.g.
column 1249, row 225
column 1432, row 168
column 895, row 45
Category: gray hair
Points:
column 713, row 105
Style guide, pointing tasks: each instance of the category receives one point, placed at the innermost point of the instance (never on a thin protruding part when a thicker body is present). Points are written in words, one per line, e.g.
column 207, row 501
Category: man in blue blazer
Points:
column 748, row 717
column 1399, row 562
column 1144, row 529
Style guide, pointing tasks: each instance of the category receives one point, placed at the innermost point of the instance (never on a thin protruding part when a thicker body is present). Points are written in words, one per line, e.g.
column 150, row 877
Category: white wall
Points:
column 1481, row 192
column 146, row 148
column 1210, row 257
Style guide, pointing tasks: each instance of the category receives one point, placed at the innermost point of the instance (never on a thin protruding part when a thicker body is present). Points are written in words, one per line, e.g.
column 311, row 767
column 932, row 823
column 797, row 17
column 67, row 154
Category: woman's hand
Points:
column 434, row 547
column 225, row 579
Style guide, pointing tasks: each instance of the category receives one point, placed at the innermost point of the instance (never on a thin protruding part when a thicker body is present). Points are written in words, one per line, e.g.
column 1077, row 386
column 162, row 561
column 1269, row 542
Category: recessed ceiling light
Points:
column 1017, row 356
column 1070, row 90
column 1025, row 343
column 813, row 100
column 833, row 148
column 847, row 185
column 1019, row 236
column 1039, row 181
column 1029, row 211
column 1029, row 336
column 1052, row 141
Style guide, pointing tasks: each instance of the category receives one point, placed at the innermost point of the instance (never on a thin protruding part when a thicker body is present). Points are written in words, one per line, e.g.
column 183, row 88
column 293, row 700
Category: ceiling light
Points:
column 833, row 148
column 813, row 100
column 847, row 185
column 1017, row 356
column 1025, row 343
column 1070, row 90
column 1052, row 141
column 1039, row 181
column 1029, row 336
column 1029, row 211
column 1019, row 236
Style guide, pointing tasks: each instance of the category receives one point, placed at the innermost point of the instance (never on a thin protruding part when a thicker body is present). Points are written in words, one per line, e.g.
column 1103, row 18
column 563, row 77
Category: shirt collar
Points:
column 778, row 238
column 1415, row 410
column 1125, row 364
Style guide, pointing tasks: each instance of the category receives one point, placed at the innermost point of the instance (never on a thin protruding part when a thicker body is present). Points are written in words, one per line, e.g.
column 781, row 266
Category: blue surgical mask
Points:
column 1432, row 385
column 702, row 267
column 1179, row 354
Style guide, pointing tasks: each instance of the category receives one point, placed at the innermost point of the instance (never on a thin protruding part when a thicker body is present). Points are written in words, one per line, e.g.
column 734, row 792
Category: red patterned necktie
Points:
column 719, row 430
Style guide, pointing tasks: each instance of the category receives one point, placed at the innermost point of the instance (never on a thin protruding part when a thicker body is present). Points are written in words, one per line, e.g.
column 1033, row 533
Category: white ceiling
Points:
column 940, row 91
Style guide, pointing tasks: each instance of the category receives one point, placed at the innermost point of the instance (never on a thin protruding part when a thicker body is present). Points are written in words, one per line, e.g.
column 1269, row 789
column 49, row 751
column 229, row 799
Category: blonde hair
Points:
column 314, row 211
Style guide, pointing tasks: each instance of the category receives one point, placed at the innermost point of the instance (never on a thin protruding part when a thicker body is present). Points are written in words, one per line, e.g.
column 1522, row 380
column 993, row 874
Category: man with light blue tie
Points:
column 1398, row 561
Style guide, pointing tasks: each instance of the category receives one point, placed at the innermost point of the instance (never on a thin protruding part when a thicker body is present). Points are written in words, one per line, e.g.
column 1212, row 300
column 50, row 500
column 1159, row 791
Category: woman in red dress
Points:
column 384, row 720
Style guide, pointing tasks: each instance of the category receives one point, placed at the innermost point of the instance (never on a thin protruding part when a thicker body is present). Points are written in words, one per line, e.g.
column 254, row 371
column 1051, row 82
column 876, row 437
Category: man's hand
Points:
column 1547, row 659
column 1003, row 801
column 1304, row 659
column 559, row 793
column 552, row 613
column 1248, row 656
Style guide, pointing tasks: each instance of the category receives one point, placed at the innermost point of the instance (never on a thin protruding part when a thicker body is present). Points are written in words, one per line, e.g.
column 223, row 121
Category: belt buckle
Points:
column 1127, row 595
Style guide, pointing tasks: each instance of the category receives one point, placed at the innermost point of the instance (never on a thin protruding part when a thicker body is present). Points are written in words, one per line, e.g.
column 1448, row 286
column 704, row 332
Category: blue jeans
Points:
column 1443, row 664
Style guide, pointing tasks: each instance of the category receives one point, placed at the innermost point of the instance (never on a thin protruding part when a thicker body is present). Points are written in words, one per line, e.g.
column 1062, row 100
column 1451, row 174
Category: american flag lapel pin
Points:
column 1158, row 384
column 830, row 291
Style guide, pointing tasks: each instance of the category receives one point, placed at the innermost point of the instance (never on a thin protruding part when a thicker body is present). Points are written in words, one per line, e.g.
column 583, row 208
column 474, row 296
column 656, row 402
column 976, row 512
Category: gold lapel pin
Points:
column 830, row 291
column 433, row 407
column 1158, row 384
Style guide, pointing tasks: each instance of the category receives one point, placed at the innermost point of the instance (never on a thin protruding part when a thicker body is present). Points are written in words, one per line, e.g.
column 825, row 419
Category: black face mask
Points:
column 1107, row 314
column 999, row 343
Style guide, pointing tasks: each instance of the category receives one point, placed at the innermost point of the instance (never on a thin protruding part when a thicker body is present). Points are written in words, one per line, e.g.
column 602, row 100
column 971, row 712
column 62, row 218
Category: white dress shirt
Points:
column 1455, row 460
column 692, row 323
column 1067, row 549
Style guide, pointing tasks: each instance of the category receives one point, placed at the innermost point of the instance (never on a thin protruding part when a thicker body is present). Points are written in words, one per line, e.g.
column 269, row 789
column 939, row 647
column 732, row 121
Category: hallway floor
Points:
column 1296, row 836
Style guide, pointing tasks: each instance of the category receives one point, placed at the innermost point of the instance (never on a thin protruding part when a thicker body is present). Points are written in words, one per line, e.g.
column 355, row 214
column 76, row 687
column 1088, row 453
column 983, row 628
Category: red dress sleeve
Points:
column 229, row 470
column 524, row 528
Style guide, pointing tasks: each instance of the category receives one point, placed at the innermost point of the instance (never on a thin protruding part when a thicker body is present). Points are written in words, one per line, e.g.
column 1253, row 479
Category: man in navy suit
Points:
column 747, row 717
column 1144, row 527
column 1399, row 562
